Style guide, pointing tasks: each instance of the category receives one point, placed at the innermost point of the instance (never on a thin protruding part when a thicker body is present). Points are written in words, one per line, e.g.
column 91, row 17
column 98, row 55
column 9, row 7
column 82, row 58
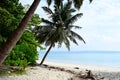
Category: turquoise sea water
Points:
column 107, row 58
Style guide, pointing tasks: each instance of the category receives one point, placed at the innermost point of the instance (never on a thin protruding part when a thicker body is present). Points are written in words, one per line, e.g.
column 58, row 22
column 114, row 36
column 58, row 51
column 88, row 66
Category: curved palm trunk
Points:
column 11, row 42
column 46, row 54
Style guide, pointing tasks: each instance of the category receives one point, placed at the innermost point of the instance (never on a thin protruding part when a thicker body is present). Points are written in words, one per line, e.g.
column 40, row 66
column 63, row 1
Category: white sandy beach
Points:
column 51, row 73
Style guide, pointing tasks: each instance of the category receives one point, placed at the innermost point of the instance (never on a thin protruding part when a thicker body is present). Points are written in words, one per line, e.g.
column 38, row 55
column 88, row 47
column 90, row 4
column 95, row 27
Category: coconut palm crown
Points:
column 58, row 29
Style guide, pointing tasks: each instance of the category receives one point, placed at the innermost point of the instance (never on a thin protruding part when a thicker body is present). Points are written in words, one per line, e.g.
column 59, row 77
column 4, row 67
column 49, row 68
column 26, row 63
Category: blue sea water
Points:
column 106, row 58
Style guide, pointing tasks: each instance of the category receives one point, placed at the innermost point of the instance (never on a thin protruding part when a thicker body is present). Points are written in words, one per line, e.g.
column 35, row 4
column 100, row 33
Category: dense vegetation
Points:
column 25, row 51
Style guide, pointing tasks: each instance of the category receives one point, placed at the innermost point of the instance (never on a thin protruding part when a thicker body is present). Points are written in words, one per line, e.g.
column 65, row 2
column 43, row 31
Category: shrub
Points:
column 24, row 53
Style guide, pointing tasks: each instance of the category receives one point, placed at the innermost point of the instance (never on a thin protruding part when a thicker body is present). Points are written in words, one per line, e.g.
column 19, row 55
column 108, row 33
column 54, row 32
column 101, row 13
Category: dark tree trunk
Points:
column 11, row 42
column 46, row 54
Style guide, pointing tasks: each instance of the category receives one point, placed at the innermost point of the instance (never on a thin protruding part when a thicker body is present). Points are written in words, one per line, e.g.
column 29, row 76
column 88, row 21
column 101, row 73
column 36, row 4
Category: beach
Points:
column 63, row 71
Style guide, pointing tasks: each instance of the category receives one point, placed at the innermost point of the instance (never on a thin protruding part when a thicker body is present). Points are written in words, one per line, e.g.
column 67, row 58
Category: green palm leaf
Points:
column 73, row 26
column 77, row 3
column 74, row 18
column 49, row 2
column 67, row 43
column 47, row 21
column 90, row 1
column 77, row 36
column 47, row 10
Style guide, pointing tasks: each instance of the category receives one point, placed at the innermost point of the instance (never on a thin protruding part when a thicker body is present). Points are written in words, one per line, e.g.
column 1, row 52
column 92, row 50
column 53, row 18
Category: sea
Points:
column 101, row 58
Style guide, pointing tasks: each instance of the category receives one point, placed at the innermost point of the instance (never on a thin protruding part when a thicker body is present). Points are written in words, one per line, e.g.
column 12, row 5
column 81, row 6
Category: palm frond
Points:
column 48, row 10
column 90, row 1
column 47, row 21
column 58, row 2
column 68, row 5
column 77, row 3
column 67, row 43
column 73, row 34
column 49, row 2
column 47, row 43
column 77, row 27
column 72, row 10
column 35, row 29
column 73, row 40
column 73, row 26
column 40, row 38
column 74, row 18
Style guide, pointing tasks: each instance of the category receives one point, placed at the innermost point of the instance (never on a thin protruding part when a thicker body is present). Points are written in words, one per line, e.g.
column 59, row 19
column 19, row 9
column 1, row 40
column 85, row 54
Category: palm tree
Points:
column 56, row 32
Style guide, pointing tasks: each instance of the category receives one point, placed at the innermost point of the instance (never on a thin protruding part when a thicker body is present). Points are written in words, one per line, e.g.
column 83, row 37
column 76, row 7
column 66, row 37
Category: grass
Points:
column 9, row 72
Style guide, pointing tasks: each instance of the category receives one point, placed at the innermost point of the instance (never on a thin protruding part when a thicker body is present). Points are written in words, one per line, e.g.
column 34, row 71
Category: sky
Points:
column 100, row 25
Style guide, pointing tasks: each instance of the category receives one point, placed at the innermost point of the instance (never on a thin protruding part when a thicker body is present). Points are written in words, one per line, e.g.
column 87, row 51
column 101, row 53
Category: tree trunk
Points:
column 46, row 54
column 12, row 40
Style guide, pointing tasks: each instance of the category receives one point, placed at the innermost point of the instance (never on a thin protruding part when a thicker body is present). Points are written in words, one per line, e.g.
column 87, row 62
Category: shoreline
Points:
column 100, row 68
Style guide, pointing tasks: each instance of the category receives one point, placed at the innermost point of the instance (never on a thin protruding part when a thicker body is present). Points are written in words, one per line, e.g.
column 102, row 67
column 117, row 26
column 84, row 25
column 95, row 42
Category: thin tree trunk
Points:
column 46, row 54
column 11, row 42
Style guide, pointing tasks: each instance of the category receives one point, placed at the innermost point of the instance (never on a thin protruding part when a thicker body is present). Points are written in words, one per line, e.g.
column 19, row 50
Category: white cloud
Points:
column 101, row 25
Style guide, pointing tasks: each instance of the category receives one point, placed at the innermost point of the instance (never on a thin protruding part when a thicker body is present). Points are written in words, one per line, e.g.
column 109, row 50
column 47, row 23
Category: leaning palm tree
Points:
column 55, row 31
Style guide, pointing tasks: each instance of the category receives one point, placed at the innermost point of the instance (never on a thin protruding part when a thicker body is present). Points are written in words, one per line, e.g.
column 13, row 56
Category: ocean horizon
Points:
column 101, row 58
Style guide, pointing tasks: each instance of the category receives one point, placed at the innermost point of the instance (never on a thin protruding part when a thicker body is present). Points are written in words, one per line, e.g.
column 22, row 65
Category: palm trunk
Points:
column 46, row 54
column 11, row 42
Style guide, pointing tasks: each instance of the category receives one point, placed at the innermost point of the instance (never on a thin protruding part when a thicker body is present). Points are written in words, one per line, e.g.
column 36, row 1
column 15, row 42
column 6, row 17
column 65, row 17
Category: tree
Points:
column 26, row 46
column 25, row 52
column 57, row 32
column 12, row 40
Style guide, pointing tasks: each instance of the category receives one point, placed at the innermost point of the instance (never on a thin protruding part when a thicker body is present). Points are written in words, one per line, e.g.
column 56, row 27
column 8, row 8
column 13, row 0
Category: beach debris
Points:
column 89, row 75
column 82, row 75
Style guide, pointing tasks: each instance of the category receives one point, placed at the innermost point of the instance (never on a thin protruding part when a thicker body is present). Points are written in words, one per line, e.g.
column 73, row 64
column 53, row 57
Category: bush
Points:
column 24, row 53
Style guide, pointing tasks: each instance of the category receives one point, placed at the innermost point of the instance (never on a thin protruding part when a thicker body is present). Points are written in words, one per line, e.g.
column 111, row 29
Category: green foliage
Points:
column 24, row 53
column 5, row 22
column 9, row 72
column 11, row 13
column 35, row 21
column 6, row 18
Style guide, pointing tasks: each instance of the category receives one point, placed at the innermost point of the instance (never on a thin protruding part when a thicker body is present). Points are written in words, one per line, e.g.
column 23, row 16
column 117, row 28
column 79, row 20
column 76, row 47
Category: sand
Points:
column 63, row 71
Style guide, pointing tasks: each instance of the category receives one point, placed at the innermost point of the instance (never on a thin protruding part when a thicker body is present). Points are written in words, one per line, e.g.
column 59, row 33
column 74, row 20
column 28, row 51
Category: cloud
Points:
column 101, row 25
